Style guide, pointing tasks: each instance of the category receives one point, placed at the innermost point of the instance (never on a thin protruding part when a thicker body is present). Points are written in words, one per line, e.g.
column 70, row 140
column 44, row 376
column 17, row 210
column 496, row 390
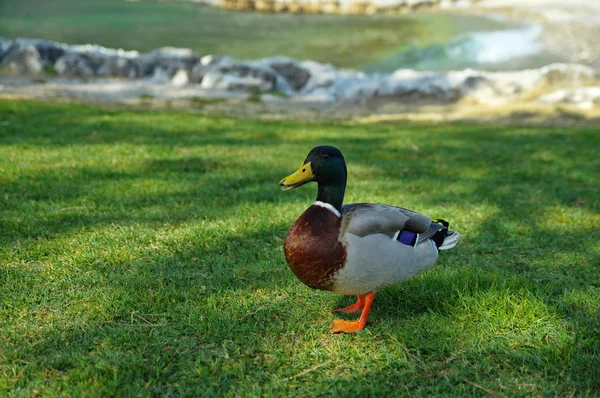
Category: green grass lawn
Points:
column 347, row 41
column 141, row 254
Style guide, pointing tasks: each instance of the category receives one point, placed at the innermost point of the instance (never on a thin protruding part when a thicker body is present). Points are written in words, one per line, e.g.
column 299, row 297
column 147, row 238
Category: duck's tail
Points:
column 444, row 238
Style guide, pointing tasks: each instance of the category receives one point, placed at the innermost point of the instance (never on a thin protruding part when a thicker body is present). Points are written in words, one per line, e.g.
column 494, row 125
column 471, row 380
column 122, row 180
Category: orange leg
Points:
column 353, row 327
column 356, row 307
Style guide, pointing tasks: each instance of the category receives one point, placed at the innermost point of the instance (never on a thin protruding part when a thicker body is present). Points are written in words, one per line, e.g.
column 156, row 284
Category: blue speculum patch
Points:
column 409, row 238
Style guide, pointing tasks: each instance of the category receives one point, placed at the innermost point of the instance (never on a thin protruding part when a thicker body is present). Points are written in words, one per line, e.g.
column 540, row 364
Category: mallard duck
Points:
column 360, row 248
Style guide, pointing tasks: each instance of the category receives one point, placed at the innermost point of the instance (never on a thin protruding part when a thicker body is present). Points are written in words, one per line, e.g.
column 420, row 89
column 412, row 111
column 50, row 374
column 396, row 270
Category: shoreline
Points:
column 376, row 110
column 180, row 78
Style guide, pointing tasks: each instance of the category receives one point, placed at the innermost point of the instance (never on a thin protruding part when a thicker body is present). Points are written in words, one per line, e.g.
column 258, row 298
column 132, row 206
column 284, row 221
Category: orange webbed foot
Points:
column 354, row 308
column 346, row 326
column 352, row 327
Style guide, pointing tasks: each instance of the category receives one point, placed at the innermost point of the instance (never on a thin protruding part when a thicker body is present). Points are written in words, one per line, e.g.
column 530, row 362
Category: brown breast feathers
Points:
column 312, row 248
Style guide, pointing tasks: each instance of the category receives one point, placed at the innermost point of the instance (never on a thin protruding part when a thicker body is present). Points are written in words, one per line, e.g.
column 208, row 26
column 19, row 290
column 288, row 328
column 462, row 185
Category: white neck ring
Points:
column 328, row 207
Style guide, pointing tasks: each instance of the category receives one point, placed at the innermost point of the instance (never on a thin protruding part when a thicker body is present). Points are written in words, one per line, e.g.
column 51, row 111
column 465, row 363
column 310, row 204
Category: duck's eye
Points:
column 325, row 155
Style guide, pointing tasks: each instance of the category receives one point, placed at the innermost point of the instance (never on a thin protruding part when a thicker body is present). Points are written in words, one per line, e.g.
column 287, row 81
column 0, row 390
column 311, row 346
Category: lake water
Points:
column 506, row 47
column 378, row 43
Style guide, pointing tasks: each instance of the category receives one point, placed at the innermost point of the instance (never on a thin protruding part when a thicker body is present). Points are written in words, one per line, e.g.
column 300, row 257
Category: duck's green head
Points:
column 324, row 165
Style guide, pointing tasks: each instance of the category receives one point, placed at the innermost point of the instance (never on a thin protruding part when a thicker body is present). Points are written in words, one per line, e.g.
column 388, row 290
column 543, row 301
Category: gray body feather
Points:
column 374, row 259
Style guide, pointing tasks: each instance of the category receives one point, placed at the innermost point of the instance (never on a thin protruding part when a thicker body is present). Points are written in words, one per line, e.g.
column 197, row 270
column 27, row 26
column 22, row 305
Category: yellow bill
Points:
column 300, row 177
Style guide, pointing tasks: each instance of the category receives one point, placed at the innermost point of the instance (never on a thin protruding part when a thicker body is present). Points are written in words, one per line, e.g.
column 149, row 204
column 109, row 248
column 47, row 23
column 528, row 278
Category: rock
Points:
column 49, row 51
column 265, row 5
column 19, row 59
column 585, row 97
column 356, row 7
column 75, row 65
column 206, row 64
column 226, row 4
column 180, row 78
column 115, row 66
column 160, row 76
column 334, row 6
column 294, row 7
column 295, row 75
column 93, row 60
column 323, row 76
column 416, row 4
column 302, row 81
column 565, row 73
column 213, row 60
column 96, row 51
column 245, row 5
column 239, row 76
column 454, row 3
column 330, row 6
column 484, row 87
column 169, row 59
column 281, row 6
column 403, row 83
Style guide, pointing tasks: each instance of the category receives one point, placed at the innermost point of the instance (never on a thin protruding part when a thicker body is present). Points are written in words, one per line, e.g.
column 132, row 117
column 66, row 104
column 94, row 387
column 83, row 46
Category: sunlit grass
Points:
column 141, row 253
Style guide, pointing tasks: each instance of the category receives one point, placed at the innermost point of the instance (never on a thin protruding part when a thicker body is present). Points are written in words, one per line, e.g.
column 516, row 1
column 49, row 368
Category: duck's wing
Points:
column 364, row 219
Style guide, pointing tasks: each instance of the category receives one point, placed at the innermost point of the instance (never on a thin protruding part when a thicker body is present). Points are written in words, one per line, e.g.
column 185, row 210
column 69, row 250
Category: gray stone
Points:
column 49, row 51
column 180, row 78
column 484, row 87
column 96, row 51
column 295, row 75
column 206, row 64
column 75, row 65
column 20, row 59
column 115, row 66
column 217, row 59
column 585, row 97
column 302, row 81
column 239, row 77
column 169, row 59
column 563, row 73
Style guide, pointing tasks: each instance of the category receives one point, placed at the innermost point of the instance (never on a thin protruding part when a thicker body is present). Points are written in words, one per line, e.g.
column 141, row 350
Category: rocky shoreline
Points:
column 91, row 71
column 367, row 7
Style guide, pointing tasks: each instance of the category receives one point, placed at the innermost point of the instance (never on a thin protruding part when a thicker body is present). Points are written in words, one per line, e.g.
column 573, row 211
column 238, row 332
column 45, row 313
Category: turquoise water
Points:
column 504, row 48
